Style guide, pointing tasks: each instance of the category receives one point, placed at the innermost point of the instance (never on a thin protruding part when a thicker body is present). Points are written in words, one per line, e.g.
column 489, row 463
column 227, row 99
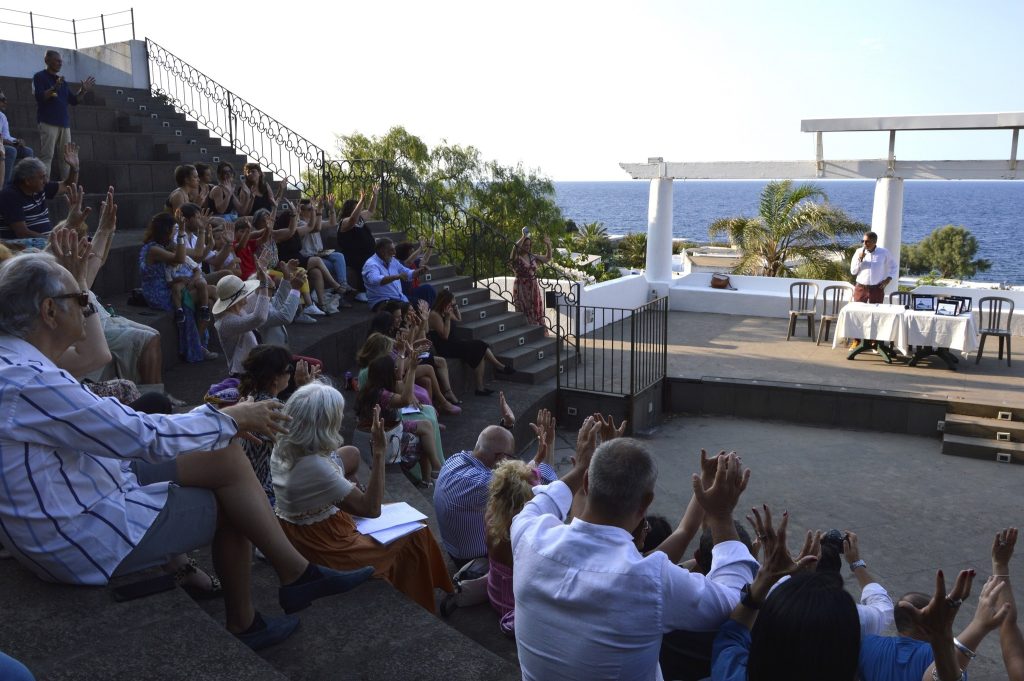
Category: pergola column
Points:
column 887, row 218
column 659, row 231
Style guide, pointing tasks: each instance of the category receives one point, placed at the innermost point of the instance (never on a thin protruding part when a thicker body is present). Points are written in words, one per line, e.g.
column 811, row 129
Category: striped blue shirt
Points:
column 460, row 501
column 70, row 508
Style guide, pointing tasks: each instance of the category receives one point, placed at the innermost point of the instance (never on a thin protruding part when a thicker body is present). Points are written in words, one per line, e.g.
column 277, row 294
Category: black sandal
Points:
column 191, row 568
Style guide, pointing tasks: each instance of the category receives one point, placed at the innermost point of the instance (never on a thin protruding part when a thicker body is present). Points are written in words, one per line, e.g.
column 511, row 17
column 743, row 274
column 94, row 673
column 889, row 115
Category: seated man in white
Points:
column 588, row 604
column 72, row 512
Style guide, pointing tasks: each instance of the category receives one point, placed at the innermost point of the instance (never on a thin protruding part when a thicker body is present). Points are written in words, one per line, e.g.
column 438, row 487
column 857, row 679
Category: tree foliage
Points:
column 592, row 238
column 631, row 250
column 948, row 250
column 794, row 225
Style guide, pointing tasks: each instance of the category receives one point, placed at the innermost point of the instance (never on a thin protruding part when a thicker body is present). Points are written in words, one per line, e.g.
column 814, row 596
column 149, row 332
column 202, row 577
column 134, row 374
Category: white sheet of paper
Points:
column 392, row 533
column 391, row 515
column 410, row 410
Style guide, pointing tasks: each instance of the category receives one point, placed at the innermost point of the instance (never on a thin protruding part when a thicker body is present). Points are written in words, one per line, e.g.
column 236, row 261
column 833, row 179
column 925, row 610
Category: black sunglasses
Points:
column 80, row 297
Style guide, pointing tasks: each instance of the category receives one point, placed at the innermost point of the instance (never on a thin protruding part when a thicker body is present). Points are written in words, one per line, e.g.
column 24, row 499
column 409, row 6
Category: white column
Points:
column 887, row 218
column 659, row 232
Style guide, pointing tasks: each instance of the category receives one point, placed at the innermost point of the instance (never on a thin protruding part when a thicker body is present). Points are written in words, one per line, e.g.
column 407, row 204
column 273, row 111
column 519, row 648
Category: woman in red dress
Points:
column 526, row 291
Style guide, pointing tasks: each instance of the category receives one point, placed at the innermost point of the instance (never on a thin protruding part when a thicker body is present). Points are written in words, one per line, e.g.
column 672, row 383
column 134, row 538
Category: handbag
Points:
column 401, row 447
column 721, row 281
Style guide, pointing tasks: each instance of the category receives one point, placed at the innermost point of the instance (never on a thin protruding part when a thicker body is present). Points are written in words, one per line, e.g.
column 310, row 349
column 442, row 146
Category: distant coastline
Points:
column 992, row 210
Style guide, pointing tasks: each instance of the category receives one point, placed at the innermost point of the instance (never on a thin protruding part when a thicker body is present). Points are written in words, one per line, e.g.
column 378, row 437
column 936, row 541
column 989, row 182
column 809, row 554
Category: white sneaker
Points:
column 361, row 297
column 331, row 306
column 303, row 318
column 313, row 310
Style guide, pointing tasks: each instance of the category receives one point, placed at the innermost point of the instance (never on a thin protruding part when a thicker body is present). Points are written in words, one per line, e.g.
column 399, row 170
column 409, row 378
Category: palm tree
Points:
column 631, row 250
column 795, row 226
column 592, row 238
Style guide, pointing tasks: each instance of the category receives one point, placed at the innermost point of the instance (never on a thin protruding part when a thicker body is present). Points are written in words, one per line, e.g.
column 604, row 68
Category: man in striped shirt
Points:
column 461, row 490
column 92, row 489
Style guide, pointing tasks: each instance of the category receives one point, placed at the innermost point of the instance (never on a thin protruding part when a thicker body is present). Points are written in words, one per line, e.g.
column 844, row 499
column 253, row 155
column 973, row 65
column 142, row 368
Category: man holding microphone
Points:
column 874, row 267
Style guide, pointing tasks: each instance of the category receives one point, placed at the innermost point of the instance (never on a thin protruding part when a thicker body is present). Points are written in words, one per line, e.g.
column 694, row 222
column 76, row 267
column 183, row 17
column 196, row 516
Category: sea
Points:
column 992, row 210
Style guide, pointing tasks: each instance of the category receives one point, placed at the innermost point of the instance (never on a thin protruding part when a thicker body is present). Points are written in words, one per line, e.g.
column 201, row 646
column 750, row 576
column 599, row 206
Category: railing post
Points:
column 231, row 122
column 74, row 31
column 32, row 27
column 103, row 29
column 132, row 10
column 632, row 352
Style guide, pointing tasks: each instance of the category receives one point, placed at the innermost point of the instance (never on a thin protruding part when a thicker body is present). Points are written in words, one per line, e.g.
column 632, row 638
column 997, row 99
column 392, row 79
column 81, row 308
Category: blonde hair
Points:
column 511, row 487
column 317, row 410
column 376, row 344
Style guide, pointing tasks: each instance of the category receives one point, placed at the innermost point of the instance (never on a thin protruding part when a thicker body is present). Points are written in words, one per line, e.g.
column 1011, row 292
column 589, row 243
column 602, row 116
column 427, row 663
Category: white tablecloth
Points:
column 905, row 328
column 956, row 333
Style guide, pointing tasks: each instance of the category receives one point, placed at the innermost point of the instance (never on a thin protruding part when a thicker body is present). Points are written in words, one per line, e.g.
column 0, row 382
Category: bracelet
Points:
column 968, row 653
column 935, row 675
column 857, row 564
column 1000, row 575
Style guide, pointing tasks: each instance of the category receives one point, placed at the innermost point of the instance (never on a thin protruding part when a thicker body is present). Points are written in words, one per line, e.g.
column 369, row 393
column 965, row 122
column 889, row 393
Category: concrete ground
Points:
column 732, row 346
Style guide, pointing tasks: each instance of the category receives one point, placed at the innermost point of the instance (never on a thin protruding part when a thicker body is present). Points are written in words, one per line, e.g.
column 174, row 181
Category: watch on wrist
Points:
column 857, row 564
column 747, row 599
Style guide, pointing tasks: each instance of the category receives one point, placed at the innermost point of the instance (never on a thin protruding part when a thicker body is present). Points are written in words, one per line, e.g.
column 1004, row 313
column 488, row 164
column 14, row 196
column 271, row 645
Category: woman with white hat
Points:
column 238, row 313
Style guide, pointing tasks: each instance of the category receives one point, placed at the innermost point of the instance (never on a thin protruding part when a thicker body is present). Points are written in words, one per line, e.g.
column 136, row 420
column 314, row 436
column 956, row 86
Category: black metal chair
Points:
column 803, row 302
column 996, row 314
column 832, row 300
column 900, row 298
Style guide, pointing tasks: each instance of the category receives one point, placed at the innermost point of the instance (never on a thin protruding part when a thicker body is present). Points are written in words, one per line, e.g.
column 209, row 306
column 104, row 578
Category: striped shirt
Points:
column 70, row 507
column 460, row 500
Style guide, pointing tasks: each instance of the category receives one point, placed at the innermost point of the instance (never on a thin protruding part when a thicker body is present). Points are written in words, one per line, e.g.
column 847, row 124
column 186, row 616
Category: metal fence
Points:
column 620, row 351
column 46, row 30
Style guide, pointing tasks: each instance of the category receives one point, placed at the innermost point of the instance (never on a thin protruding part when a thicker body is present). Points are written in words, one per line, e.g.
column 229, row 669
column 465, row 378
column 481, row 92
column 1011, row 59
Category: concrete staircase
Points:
column 984, row 432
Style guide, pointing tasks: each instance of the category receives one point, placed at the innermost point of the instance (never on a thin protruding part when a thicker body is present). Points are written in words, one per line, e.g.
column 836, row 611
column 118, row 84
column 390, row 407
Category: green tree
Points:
column 592, row 238
column 631, row 250
column 948, row 250
column 795, row 224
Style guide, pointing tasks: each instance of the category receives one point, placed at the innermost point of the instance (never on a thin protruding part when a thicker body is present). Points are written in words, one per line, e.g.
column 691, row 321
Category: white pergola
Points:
column 888, row 173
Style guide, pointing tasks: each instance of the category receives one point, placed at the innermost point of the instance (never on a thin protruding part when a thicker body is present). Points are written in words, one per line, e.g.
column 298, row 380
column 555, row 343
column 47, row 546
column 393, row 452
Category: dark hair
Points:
column 222, row 166
column 382, row 322
column 707, row 543
column 404, row 250
column 830, row 559
column 263, row 364
column 871, row 236
column 904, row 624
column 348, row 207
column 659, row 532
column 159, row 229
column 444, row 298
column 262, row 183
column 182, row 173
column 202, row 168
column 381, row 244
column 808, row 629
column 282, row 220
column 380, row 375
column 189, row 210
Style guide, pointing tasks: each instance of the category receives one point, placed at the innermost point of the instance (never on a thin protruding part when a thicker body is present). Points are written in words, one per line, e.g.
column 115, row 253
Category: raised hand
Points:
column 508, row 417
column 586, row 443
column 1002, row 548
column 544, row 429
column 108, row 212
column 305, row 373
column 378, row 440
column 708, row 468
column 990, row 613
column 778, row 562
column 76, row 214
column 609, row 431
column 730, row 480
column 71, row 252
column 71, row 155
column 935, row 620
column 812, row 547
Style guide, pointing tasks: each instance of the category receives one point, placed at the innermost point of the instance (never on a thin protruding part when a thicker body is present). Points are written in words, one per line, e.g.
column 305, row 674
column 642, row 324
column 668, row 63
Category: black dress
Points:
column 469, row 351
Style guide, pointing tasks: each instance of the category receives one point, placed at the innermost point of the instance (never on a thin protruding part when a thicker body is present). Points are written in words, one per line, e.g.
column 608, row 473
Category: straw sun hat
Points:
column 230, row 290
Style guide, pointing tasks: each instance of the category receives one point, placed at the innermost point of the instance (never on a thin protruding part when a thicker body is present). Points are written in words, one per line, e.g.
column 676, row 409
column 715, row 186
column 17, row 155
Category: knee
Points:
column 350, row 459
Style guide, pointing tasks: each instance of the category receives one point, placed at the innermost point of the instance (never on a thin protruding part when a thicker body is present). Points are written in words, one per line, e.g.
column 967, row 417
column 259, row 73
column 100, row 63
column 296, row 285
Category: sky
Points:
column 573, row 88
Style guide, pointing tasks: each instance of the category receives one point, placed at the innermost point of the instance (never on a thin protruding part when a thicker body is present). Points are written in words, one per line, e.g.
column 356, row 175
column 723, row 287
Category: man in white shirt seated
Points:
column 588, row 604
column 94, row 490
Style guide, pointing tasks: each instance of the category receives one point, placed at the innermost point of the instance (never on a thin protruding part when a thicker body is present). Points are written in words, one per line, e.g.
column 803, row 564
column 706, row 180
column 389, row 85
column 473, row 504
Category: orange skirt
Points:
column 413, row 564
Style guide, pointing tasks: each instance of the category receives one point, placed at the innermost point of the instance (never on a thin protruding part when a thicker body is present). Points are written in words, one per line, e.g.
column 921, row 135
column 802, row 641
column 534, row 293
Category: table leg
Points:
column 865, row 345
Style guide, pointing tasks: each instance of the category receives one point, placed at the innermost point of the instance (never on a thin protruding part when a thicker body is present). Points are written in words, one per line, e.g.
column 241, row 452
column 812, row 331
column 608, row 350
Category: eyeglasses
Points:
column 80, row 297
column 867, row 241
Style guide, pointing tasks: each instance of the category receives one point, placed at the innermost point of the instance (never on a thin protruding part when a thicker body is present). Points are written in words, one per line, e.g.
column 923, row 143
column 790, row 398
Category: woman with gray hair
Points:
column 315, row 500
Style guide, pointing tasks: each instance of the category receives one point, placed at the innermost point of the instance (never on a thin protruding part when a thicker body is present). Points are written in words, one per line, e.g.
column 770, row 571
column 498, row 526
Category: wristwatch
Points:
column 747, row 599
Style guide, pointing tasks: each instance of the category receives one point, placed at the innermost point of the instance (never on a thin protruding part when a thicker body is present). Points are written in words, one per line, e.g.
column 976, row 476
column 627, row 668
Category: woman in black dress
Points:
column 443, row 316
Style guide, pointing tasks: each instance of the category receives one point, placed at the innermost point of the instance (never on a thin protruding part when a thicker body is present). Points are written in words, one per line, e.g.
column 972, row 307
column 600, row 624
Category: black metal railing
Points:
column 242, row 125
column 46, row 30
column 621, row 351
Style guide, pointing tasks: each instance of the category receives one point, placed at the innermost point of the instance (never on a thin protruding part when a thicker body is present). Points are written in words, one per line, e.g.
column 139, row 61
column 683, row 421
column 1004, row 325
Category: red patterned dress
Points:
column 526, row 291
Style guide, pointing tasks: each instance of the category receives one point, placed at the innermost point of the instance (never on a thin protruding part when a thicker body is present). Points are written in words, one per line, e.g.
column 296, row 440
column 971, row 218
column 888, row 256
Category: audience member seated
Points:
column 189, row 190
column 315, row 501
column 462, row 489
column 268, row 230
column 254, row 193
column 160, row 249
column 356, row 241
column 284, row 305
column 100, row 518
column 568, row 578
column 378, row 345
column 221, row 260
column 412, row 256
column 383, row 273
column 310, row 217
column 441, row 320
column 288, row 233
column 389, row 385
column 12, row 149
column 239, row 314
column 221, row 201
column 415, row 324
column 267, row 372
column 23, row 211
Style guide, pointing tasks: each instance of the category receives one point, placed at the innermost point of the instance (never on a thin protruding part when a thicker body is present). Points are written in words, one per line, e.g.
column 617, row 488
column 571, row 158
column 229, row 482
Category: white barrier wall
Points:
column 753, row 297
column 121, row 64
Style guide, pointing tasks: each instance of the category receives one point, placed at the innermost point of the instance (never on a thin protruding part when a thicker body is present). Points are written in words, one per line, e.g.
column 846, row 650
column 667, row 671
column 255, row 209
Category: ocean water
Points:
column 993, row 211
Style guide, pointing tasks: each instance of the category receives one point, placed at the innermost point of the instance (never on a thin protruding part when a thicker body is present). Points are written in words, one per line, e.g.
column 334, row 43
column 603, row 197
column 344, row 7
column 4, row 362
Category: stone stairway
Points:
column 984, row 432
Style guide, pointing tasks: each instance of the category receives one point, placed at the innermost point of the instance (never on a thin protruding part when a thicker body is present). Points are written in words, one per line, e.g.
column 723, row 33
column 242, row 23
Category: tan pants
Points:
column 52, row 140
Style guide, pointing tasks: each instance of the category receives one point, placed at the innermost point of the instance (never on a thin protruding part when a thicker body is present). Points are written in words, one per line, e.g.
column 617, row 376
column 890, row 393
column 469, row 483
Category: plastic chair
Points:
column 803, row 302
column 900, row 298
column 996, row 314
column 832, row 300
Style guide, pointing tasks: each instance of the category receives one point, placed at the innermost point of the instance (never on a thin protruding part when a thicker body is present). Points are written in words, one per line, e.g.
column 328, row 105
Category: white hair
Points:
column 317, row 410
column 25, row 282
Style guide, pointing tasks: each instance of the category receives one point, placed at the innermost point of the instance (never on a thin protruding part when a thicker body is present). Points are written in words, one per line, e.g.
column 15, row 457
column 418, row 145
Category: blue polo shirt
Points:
column 52, row 111
column 893, row 658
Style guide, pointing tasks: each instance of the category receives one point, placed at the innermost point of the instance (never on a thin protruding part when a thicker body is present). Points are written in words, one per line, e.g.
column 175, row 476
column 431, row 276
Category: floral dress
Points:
column 526, row 291
column 157, row 292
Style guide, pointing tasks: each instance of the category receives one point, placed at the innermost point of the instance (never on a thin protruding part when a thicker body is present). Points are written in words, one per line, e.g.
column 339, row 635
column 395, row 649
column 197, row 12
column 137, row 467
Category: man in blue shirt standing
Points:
column 52, row 99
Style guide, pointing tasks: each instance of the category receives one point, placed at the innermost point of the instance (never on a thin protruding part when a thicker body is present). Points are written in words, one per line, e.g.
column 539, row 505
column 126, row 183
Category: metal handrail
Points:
column 73, row 24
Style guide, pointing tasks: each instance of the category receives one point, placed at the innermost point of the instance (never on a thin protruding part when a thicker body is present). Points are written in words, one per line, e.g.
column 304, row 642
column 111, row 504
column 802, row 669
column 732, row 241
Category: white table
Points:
column 932, row 334
column 872, row 322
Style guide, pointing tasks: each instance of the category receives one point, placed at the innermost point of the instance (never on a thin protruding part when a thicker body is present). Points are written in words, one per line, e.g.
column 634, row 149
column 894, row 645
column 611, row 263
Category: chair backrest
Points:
column 834, row 297
column 996, row 312
column 900, row 298
column 803, row 296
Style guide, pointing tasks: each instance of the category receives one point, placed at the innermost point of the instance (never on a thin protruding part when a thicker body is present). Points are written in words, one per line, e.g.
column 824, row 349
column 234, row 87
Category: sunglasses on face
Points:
column 80, row 297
